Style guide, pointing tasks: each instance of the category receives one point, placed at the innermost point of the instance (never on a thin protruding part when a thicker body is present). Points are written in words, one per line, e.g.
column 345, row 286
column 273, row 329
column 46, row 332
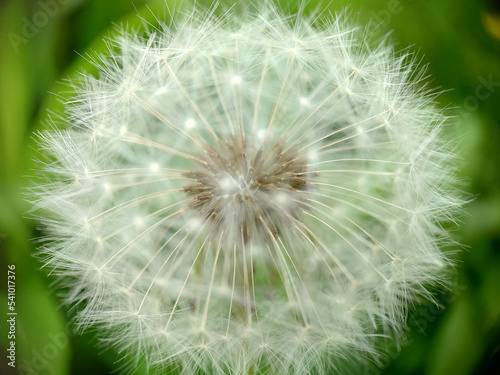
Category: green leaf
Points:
column 458, row 345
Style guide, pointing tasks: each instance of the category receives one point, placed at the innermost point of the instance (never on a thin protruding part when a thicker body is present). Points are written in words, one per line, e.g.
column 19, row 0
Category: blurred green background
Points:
column 43, row 41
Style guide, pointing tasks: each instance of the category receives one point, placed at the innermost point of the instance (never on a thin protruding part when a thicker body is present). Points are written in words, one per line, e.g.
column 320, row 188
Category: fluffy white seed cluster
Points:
column 248, row 194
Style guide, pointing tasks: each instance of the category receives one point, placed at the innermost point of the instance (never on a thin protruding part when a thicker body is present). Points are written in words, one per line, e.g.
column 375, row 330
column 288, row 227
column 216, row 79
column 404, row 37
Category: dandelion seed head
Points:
column 249, row 193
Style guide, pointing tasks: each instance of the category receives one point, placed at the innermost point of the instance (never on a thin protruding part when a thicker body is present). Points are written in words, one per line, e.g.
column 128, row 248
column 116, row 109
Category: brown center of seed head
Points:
column 248, row 191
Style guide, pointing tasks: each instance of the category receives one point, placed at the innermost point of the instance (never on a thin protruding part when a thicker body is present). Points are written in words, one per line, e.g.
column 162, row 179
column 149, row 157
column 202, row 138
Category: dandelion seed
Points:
column 231, row 196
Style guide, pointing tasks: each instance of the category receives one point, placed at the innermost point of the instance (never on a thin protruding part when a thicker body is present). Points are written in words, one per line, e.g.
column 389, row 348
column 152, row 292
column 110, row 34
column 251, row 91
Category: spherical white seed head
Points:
column 248, row 201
